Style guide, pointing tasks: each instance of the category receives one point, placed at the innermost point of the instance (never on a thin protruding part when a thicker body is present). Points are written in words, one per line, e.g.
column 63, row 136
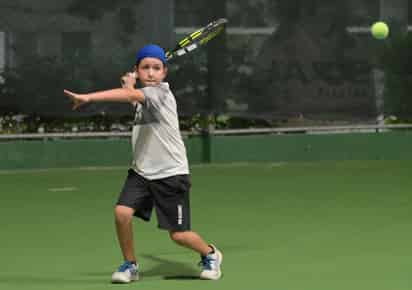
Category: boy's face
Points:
column 151, row 71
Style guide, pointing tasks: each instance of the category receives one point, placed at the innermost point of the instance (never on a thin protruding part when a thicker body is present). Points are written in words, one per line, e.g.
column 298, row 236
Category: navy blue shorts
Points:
column 169, row 196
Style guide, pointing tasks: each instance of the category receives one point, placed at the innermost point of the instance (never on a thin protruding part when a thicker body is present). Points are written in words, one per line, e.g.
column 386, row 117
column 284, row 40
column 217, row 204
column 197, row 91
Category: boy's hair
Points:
column 151, row 50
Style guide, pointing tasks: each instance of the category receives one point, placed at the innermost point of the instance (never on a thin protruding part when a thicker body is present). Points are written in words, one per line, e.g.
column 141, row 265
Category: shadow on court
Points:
column 170, row 270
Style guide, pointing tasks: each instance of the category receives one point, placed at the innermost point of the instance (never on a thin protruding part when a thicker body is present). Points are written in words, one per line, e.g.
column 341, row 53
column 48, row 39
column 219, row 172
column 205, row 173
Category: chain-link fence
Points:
column 279, row 63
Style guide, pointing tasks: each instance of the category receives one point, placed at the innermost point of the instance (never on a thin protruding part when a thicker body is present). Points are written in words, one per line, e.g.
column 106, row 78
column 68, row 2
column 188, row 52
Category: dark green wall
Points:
column 257, row 148
column 64, row 153
column 296, row 147
column 76, row 153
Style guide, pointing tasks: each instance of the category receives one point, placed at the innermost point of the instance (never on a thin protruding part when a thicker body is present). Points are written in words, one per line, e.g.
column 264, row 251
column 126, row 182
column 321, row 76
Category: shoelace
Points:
column 206, row 263
column 125, row 266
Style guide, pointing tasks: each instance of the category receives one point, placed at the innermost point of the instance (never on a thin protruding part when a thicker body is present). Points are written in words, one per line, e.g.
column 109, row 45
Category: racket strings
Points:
column 197, row 38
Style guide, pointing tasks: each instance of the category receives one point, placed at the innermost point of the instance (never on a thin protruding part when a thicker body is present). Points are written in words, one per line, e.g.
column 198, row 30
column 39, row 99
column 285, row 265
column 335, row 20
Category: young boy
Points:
column 159, row 176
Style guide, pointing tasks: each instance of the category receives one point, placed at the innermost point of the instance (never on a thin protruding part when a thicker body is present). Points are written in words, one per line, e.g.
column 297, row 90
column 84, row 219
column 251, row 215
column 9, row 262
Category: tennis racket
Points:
column 195, row 39
column 198, row 38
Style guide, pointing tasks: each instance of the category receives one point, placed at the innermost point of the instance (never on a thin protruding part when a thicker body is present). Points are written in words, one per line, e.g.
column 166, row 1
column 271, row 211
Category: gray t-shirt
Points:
column 158, row 148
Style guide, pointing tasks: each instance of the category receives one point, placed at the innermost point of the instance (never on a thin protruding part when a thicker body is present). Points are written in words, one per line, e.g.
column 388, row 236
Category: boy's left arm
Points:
column 127, row 95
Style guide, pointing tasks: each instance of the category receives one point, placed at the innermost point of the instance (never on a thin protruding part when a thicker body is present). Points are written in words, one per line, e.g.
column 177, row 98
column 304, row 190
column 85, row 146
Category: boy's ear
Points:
column 136, row 71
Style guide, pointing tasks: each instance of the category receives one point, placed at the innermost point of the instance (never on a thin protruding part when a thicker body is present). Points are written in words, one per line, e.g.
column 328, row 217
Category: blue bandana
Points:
column 151, row 50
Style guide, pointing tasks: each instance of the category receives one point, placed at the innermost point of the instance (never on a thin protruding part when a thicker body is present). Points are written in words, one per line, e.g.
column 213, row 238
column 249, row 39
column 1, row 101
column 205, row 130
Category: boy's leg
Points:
column 128, row 271
column 171, row 198
column 191, row 240
column 124, row 229
column 134, row 200
column 211, row 257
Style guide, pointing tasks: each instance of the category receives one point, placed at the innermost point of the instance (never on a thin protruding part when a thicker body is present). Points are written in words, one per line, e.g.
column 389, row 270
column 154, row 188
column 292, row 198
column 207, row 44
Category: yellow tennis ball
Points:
column 380, row 30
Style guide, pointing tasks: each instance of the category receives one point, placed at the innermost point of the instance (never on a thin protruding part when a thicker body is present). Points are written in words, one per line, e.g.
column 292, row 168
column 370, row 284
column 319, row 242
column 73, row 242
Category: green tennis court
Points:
column 287, row 226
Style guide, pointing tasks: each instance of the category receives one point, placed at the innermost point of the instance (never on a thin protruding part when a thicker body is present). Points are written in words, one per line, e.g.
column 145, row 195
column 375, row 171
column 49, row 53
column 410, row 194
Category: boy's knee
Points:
column 178, row 237
column 123, row 213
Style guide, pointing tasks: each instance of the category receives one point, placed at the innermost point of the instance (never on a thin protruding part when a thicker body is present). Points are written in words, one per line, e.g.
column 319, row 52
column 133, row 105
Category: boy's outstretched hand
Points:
column 77, row 99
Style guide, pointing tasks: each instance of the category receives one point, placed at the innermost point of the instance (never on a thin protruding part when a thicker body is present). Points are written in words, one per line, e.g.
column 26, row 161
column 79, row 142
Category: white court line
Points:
column 72, row 188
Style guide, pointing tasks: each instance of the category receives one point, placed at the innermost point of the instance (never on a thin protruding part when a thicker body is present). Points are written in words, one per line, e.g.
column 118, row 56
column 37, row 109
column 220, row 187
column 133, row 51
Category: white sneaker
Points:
column 126, row 273
column 211, row 265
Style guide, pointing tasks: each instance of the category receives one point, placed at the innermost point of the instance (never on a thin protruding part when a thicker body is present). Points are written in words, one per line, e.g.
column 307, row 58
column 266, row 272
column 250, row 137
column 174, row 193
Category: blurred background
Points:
column 297, row 126
column 280, row 63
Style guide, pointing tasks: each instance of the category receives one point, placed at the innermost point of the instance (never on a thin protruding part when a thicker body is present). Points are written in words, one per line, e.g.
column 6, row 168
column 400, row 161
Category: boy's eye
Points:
column 146, row 67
